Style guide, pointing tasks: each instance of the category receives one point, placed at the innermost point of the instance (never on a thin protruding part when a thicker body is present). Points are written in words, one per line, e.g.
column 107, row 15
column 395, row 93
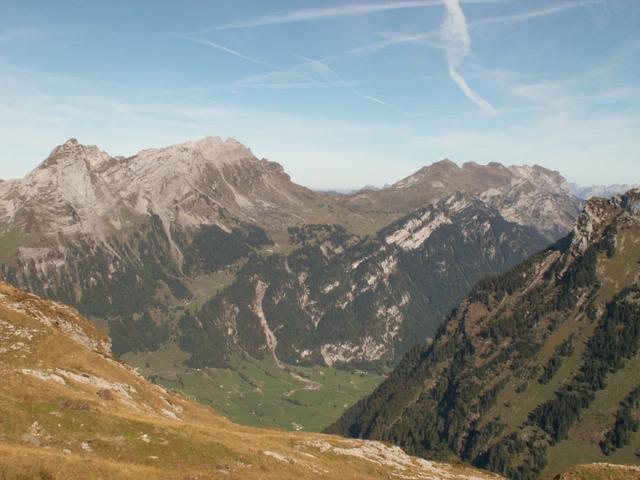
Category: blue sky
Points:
column 341, row 93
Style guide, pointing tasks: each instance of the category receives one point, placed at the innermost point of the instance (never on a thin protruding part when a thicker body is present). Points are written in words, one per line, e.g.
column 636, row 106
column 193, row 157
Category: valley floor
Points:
column 258, row 393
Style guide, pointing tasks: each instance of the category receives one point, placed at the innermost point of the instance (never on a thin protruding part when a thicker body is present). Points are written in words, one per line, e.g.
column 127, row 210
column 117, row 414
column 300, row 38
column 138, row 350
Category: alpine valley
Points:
column 463, row 323
column 216, row 275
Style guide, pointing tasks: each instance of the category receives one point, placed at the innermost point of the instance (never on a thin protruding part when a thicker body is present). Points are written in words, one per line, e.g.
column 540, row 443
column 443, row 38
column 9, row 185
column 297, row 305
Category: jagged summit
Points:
column 435, row 171
column 214, row 150
column 71, row 152
column 599, row 214
column 630, row 201
column 445, row 164
column 80, row 189
column 492, row 173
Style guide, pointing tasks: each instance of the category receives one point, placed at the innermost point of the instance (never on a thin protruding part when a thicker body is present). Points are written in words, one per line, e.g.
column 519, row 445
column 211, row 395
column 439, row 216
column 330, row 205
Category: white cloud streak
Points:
column 311, row 14
column 328, row 72
column 429, row 38
column 384, row 104
column 457, row 40
column 322, row 13
column 331, row 78
column 230, row 51
column 470, row 93
column 543, row 12
column 251, row 81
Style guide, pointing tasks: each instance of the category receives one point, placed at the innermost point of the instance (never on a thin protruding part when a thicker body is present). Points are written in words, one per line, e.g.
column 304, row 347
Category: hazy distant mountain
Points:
column 526, row 195
column 350, row 191
column 605, row 191
column 537, row 369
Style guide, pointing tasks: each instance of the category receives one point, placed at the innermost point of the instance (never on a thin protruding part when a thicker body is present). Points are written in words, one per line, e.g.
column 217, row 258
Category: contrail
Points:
column 457, row 40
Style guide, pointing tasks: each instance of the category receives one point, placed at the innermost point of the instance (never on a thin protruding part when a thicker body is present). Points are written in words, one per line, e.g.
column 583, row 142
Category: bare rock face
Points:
column 594, row 221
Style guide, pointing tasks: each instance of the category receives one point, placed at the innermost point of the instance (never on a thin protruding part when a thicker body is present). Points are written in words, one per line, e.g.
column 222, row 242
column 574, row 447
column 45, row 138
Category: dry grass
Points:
column 54, row 425
column 602, row 472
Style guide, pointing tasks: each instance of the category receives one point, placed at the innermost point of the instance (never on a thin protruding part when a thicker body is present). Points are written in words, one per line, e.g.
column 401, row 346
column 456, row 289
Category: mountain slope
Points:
column 87, row 229
column 601, row 471
column 342, row 300
column 294, row 339
column 82, row 190
column 536, row 370
column 70, row 411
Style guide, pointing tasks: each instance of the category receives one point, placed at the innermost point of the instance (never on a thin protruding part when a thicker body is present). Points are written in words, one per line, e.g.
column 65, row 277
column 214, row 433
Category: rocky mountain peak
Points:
column 210, row 150
column 433, row 172
column 71, row 152
column 445, row 164
column 542, row 178
column 72, row 142
column 598, row 214
column 81, row 189
column 527, row 195
column 630, row 201
column 216, row 148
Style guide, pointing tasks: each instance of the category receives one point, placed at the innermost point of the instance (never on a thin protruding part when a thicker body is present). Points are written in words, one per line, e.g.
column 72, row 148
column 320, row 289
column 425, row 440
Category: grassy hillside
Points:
column 259, row 393
column 69, row 411
column 601, row 471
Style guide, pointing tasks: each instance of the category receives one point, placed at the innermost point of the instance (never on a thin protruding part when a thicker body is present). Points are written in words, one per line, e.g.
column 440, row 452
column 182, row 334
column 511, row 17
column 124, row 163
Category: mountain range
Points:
column 207, row 252
column 536, row 369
